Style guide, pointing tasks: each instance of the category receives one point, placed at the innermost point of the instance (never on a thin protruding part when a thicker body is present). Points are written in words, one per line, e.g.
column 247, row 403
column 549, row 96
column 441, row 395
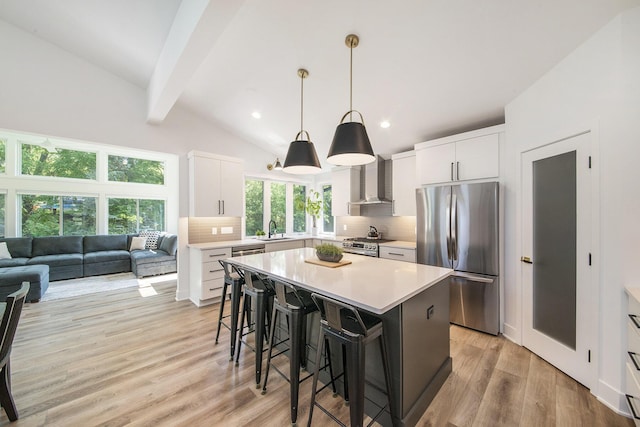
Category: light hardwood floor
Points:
column 118, row 358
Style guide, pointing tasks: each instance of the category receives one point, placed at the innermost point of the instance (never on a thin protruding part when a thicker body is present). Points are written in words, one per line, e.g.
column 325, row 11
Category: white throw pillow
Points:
column 152, row 238
column 137, row 243
column 4, row 251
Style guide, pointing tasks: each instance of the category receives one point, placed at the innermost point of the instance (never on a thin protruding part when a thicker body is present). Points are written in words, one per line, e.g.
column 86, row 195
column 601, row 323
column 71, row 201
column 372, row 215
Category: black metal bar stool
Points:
column 354, row 330
column 295, row 305
column 232, row 279
column 258, row 292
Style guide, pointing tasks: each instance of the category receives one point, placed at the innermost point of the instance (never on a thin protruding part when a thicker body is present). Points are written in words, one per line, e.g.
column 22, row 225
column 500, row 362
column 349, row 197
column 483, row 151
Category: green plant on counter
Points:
column 260, row 233
column 329, row 252
column 328, row 249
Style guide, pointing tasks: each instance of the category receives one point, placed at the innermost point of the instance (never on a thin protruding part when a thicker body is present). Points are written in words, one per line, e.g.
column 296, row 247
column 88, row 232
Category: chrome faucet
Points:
column 275, row 227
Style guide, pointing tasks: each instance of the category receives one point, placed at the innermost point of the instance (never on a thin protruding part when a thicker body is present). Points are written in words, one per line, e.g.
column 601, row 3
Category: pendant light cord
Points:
column 351, row 81
column 301, row 103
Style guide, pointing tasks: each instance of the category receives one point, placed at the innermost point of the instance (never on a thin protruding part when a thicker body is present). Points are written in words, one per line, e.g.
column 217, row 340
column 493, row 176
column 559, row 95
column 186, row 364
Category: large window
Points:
column 46, row 215
column 129, row 169
column 299, row 213
column 135, row 215
column 279, row 205
column 328, row 225
column 58, row 162
column 254, row 206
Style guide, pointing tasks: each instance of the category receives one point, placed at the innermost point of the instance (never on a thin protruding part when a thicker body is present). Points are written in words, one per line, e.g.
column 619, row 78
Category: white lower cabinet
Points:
column 399, row 254
column 632, row 384
column 207, row 275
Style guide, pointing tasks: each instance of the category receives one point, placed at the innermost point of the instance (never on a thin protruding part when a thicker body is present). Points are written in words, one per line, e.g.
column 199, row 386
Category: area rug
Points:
column 108, row 282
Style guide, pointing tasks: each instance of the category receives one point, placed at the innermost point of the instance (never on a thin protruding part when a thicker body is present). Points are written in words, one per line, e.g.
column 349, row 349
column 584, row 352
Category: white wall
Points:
column 596, row 88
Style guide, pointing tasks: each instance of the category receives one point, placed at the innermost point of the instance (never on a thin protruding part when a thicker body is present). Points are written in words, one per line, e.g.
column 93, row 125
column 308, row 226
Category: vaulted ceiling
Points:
column 429, row 67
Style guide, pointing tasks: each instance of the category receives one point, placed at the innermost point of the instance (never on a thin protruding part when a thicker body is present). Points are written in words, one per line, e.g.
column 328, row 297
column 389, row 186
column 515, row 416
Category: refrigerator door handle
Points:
column 454, row 228
column 473, row 277
column 448, row 225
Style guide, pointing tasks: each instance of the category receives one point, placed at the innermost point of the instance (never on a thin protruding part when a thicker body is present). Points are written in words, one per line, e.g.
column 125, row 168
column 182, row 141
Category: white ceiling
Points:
column 430, row 67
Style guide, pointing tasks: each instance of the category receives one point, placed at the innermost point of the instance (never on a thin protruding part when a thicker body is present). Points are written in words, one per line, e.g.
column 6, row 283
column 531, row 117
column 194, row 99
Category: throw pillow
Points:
column 152, row 238
column 137, row 243
column 4, row 251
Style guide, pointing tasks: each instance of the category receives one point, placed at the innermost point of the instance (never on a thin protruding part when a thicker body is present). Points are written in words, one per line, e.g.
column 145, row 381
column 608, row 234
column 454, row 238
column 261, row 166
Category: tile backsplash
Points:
column 391, row 227
column 228, row 228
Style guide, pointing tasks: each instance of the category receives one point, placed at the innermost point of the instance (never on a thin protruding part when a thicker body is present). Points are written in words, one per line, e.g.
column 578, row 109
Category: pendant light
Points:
column 301, row 157
column 351, row 145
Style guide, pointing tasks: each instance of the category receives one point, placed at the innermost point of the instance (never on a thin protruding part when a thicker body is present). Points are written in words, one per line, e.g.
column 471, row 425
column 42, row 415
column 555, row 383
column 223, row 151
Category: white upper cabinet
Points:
column 345, row 188
column 404, row 184
column 215, row 185
column 467, row 156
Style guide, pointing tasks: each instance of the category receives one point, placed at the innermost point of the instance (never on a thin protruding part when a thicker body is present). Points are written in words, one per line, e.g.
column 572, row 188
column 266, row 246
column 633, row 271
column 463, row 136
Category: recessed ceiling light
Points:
column 384, row 124
column 256, row 114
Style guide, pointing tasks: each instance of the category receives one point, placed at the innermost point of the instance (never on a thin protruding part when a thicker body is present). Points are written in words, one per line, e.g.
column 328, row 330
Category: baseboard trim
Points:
column 512, row 334
column 612, row 398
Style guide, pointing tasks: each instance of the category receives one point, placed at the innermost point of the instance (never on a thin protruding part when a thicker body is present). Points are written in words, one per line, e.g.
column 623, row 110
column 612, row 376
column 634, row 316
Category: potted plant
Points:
column 329, row 252
column 313, row 206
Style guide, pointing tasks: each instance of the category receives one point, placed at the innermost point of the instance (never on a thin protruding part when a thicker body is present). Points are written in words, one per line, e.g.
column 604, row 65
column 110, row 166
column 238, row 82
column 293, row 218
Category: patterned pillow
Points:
column 152, row 239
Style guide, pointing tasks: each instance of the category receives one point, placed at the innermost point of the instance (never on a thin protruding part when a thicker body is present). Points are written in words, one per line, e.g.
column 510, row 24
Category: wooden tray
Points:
column 327, row 263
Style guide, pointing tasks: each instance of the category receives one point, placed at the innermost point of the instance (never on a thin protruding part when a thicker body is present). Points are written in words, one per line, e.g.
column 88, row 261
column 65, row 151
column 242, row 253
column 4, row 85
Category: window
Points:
column 2, row 205
column 3, row 148
column 279, row 205
column 254, row 206
column 327, row 218
column 129, row 169
column 135, row 215
column 299, row 214
column 57, row 215
column 58, row 162
column 280, row 201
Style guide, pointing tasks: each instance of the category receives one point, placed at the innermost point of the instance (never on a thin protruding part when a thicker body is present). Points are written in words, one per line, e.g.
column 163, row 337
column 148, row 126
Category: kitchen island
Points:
column 413, row 302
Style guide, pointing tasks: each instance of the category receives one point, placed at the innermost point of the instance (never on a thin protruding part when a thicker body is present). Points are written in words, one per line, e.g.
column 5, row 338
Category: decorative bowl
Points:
column 329, row 258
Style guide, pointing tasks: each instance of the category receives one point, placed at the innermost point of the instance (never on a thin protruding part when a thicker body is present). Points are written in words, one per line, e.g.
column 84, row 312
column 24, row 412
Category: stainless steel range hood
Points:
column 376, row 177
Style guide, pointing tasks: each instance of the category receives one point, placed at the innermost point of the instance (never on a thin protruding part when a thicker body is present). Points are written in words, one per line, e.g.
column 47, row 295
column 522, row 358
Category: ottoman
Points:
column 11, row 279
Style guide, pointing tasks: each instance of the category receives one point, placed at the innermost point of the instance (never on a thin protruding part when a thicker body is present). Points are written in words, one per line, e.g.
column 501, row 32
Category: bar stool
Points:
column 295, row 305
column 354, row 330
column 257, row 289
column 233, row 280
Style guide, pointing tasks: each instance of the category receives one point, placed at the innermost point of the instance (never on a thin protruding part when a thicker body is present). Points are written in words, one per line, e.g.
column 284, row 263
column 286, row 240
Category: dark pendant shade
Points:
column 350, row 146
column 302, row 158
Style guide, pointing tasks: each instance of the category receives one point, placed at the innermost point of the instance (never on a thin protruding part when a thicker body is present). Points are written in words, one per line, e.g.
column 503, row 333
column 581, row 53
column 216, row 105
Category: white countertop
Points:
column 373, row 284
column 254, row 241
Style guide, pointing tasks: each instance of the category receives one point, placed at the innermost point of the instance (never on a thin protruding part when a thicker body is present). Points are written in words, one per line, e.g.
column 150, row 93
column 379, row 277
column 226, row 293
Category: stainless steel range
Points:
column 362, row 245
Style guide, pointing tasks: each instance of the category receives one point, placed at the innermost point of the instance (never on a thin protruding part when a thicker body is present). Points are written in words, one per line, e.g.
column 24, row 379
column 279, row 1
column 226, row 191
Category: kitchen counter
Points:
column 254, row 241
column 373, row 284
column 411, row 299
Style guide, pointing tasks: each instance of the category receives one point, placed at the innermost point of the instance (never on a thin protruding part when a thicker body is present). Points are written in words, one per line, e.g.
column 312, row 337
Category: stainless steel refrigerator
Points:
column 457, row 227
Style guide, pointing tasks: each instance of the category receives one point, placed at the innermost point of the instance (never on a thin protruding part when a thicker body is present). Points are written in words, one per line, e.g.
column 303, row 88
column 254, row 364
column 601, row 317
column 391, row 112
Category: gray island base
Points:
column 412, row 300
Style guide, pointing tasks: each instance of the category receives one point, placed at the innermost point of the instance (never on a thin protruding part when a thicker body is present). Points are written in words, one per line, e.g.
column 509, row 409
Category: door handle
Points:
column 526, row 260
column 223, row 207
column 457, row 171
column 454, row 228
column 452, row 172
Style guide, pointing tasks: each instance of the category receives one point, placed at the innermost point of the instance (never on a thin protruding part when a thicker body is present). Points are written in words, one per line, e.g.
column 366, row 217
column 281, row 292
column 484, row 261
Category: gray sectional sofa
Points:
column 43, row 259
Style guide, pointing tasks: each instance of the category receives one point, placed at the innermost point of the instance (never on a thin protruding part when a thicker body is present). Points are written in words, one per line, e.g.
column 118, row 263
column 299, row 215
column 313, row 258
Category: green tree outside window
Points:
column 254, row 206
column 61, row 163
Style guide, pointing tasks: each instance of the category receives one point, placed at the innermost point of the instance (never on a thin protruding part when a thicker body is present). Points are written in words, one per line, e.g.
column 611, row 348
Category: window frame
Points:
column 289, row 200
